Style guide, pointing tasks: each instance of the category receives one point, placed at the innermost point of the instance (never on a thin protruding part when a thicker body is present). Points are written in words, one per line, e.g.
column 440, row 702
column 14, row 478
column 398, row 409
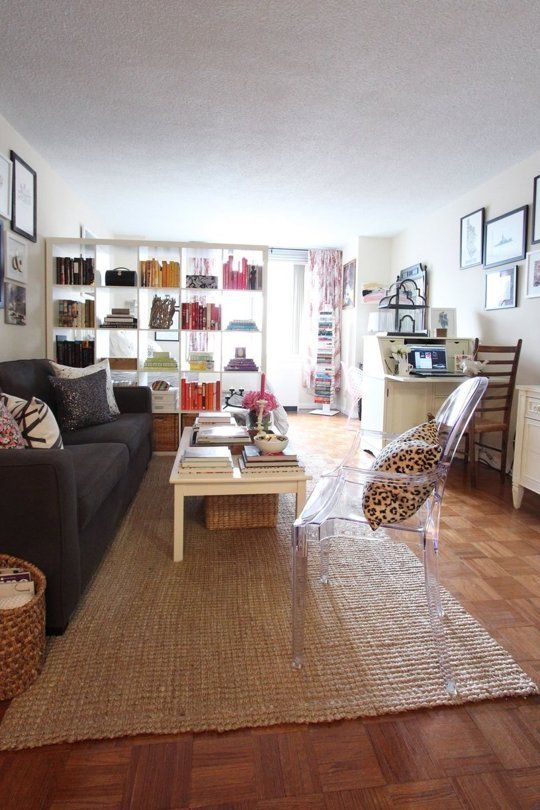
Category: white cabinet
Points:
column 393, row 404
column 526, row 472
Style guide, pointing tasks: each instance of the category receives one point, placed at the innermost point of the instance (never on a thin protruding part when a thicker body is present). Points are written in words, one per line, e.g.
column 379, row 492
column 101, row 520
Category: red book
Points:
column 244, row 274
column 217, row 404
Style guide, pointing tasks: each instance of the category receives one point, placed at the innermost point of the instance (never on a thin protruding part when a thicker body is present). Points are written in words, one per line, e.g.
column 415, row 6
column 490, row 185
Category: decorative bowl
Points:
column 271, row 444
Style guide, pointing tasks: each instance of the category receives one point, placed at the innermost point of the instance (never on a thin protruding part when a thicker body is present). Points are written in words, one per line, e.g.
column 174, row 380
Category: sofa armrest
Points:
column 133, row 398
column 38, row 504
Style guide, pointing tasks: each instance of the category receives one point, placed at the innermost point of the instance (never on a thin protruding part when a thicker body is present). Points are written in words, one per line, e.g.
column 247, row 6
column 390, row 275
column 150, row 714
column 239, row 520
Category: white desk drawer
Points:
column 532, row 410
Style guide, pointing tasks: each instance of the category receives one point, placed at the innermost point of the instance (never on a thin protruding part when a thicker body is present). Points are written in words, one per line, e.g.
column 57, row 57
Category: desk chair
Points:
column 493, row 413
column 337, row 498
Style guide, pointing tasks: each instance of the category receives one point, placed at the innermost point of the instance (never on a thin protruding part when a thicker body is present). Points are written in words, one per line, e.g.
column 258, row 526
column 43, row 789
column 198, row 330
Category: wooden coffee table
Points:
column 186, row 485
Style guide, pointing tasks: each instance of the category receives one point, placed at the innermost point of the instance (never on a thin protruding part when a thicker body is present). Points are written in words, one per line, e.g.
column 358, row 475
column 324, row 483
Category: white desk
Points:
column 526, row 472
column 185, row 486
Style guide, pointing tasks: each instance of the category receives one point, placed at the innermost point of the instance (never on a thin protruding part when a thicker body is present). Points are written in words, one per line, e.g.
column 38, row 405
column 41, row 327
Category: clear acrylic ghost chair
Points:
column 353, row 382
column 338, row 497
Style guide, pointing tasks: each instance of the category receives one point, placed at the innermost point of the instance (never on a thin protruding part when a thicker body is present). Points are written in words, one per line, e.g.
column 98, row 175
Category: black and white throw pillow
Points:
column 71, row 372
column 82, row 401
column 36, row 422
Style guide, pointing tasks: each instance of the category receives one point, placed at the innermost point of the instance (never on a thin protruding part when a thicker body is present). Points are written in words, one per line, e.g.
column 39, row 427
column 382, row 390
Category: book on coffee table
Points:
column 222, row 435
column 253, row 457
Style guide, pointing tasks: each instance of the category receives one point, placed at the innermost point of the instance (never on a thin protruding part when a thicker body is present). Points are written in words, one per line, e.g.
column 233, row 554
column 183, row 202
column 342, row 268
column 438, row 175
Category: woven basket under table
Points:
column 241, row 511
column 22, row 635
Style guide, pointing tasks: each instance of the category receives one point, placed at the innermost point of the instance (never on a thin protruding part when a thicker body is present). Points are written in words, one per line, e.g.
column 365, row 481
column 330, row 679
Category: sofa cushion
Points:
column 36, row 422
column 10, row 434
column 27, row 379
column 82, row 401
column 98, row 468
column 71, row 372
column 131, row 429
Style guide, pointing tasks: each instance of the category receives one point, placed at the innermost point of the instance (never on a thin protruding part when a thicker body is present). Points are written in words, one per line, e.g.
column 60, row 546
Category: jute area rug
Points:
column 161, row 648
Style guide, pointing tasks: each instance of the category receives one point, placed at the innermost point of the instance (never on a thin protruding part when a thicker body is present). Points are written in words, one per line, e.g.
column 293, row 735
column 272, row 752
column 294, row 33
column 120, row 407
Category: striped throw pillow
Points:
column 36, row 422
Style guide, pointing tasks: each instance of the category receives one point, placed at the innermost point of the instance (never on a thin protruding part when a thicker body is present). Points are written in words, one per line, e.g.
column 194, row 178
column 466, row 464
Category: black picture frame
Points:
column 481, row 214
column 16, row 225
column 497, row 223
column 492, row 275
column 535, row 227
column 2, row 264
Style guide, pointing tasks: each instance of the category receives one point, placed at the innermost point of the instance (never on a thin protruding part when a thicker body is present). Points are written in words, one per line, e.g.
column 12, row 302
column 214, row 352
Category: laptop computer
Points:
column 430, row 361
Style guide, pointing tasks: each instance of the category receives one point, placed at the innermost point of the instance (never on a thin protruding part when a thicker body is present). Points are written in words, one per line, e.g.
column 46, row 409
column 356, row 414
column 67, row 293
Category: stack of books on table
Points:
column 213, row 461
column 222, row 435
column 214, row 418
column 254, row 463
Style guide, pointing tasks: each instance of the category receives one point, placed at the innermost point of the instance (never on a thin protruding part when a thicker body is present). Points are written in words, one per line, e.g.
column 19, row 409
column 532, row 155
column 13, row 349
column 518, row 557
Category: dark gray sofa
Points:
column 59, row 509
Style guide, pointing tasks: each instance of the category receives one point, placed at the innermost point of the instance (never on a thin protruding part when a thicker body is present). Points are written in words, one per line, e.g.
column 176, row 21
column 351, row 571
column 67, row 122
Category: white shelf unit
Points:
column 138, row 343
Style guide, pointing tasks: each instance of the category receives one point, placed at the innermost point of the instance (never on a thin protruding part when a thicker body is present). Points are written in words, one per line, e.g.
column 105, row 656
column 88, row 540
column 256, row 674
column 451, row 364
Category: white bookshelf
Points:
column 137, row 344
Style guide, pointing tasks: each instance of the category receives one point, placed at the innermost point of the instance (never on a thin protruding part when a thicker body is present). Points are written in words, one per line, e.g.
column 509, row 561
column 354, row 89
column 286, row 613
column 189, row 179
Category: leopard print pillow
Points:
column 426, row 432
column 393, row 503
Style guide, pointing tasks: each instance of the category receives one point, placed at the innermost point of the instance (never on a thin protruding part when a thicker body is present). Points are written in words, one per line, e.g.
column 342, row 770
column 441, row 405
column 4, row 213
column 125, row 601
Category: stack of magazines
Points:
column 16, row 587
column 214, row 461
column 252, row 462
column 222, row 435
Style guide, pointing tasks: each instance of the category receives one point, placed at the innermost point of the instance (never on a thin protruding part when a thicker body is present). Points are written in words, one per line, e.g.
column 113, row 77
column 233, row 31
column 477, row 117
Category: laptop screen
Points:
column 428, row 358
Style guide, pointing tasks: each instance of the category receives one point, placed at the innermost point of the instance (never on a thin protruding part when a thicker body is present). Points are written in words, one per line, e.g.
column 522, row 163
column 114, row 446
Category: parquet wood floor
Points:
column 475, row 756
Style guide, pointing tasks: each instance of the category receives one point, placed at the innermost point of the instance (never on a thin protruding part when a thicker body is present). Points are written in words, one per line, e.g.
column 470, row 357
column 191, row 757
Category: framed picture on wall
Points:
column 349, row 284
column 23, row 199
column 6, row 169
column 2, row 262
column 505, row 238
column 533, row 274
column 16, row 258
column 15, row 306
column 501, row 288
column 536, row 211
column 471, row 239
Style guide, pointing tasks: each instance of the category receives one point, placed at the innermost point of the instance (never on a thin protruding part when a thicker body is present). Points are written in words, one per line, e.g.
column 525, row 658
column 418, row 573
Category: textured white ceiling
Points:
column 300, row 122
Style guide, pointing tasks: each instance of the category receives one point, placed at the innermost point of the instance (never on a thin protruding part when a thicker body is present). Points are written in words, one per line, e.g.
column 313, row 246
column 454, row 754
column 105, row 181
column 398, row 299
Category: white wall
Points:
column 60, row 213
column 434, row 241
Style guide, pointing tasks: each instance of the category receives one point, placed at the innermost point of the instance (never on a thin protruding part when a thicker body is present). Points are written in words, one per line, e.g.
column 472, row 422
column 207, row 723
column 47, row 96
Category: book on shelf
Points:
column 77, row 353
column 74, row 271
column 76, row 314
column 154, row 274
column 244, row 276
column 197, row 316
column 223, row 435
column 160, row 361
column 200, row 396
column 201, row 361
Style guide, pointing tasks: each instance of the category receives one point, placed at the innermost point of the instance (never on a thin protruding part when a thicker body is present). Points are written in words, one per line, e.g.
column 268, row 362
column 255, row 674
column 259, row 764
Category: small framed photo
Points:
column 471, row 239
column 6, row 174
column 15, row 306
column 23, row 199
column 442, row 322
column 240, row 352
column 533, row 274
column 349, row 284
column 16, row 258
column 505, row 238
column 536, row 211
column 501, row 288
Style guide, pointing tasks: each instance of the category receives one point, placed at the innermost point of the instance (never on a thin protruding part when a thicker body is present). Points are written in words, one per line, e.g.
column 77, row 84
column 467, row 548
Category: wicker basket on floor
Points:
column 22, row 635
column 241, row 511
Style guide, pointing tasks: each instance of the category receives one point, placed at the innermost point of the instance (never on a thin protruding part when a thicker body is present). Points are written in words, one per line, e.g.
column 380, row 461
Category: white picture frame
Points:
column 533, row 274
column 442, row 318
column 501, row 288
column 6, row 179
column 16, row 253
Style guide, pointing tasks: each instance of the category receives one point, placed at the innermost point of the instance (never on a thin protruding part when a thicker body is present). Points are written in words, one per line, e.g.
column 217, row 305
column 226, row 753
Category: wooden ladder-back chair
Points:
column 493, row 413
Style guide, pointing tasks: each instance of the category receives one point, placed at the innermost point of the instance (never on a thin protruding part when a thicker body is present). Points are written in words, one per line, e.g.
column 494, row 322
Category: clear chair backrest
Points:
column 456, row 412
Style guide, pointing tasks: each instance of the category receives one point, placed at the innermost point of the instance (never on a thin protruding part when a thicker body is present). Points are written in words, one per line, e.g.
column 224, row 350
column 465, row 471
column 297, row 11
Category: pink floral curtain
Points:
column 323, row 293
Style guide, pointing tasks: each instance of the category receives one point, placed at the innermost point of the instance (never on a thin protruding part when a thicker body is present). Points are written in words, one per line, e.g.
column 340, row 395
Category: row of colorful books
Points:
column 76, row 314
column 154, row 274
column 79, row 353
column 201, row 316
column 200, row 396
column 74, row 270
column 244, row 277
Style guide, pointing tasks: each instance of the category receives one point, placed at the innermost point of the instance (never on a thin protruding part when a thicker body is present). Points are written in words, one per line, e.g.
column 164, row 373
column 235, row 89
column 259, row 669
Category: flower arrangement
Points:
column 400, row 353
column 251, row 398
